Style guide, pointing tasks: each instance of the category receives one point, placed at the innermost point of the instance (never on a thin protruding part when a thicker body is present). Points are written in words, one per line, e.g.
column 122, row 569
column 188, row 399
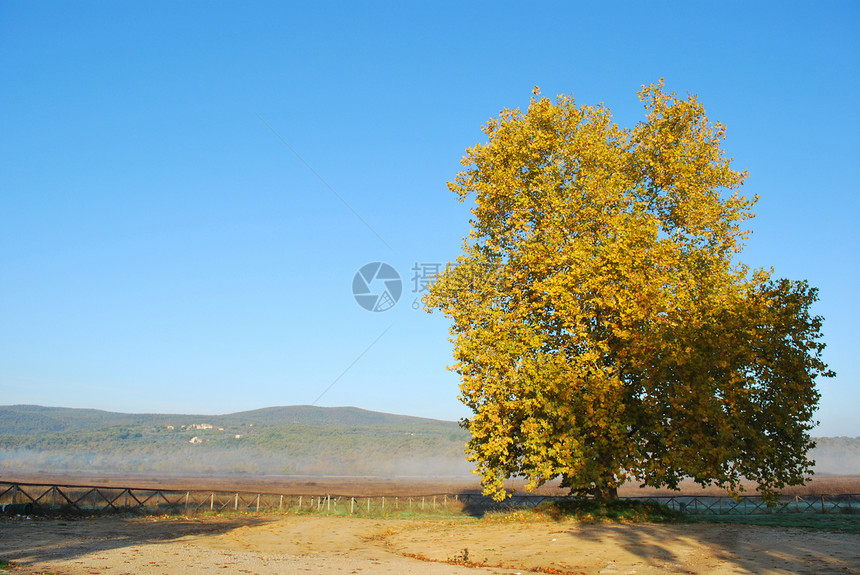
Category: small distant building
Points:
column 238, row 437
column 195, row 440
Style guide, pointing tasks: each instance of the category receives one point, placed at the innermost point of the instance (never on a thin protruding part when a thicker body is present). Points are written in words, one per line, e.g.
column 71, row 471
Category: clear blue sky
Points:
column 161, row 249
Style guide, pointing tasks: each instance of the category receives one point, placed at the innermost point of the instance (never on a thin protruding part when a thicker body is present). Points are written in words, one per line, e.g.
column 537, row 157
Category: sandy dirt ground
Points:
column 276, row 544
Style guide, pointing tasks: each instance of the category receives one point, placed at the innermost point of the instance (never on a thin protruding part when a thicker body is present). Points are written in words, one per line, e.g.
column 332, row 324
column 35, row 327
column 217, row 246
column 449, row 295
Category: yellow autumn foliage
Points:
column 603, row 329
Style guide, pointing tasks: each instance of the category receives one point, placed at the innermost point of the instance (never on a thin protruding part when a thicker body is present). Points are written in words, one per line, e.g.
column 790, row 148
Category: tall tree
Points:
column 603, row 331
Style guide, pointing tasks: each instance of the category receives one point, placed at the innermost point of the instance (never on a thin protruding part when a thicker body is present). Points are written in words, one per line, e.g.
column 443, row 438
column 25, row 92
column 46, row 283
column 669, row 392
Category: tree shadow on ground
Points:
column 30, row 541
column 754, row 549
column 664, row 540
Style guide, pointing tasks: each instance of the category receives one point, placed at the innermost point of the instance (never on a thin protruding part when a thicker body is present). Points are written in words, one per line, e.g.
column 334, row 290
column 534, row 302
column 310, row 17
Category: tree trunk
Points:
column 606, row 493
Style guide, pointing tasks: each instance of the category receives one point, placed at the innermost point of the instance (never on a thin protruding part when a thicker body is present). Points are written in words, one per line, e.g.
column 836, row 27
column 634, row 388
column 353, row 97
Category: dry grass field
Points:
column 398, row 486
column 502, row 543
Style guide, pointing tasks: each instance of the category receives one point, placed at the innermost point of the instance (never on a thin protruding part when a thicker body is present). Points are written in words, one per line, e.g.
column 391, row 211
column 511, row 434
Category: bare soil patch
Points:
column 273, row 544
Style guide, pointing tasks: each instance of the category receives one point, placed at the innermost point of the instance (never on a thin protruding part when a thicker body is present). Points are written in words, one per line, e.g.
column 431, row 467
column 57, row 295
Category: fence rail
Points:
column 26, row 498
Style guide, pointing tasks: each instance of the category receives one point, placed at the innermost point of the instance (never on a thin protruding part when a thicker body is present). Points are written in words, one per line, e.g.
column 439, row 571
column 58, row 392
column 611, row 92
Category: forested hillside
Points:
column 278, row 440
column 295, row 440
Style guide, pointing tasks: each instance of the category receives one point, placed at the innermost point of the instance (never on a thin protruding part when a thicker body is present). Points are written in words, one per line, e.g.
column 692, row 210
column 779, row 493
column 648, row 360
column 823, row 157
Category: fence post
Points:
column 212, row 501
column 434, row 503
column 186, row 502
column 15, row 495
column 258, row 503
column 422, row 503
column 823, row 509
column 281, row 504
column 236, row 503
column 351, row 505
column 368, row 504
column 383, row 502
column 53, row 496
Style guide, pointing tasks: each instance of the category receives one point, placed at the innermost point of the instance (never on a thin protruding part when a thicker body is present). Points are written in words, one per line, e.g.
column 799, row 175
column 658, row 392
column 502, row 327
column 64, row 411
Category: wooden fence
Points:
column 26, row 498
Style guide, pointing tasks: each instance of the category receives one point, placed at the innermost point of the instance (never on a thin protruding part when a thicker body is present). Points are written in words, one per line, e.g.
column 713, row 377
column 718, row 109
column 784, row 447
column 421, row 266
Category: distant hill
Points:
column 294, row 440
column 20, row 419
column 274, row 440
column 24, row 419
